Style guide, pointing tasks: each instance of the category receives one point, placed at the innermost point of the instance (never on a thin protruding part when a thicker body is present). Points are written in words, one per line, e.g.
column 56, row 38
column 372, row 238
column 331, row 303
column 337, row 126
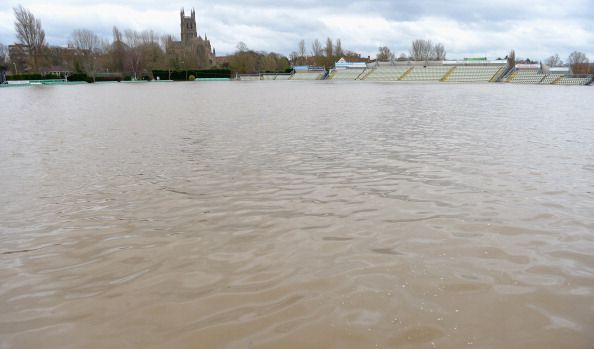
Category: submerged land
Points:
column 296, row 215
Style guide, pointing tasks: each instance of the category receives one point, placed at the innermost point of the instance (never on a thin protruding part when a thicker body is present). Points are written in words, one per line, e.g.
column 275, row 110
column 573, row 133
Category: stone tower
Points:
column 188, row 26
column 192, row 50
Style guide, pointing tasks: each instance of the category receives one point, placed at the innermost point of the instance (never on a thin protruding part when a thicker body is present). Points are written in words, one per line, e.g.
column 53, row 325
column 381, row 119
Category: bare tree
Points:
column 421, row 50
column 134, row 56
column 316, row 48
column 89, row 46
column 338, row 49
column 384, row 54
column 301, row 51
column 255, row 62
column 554, row 61
column 578, row 61
column 511, row 58
column 170, row 58
column 152, row 51
column 294, row 57
column 439, row 52
column 29, row 33
column 86, row 40
column 241, row 47
column 403, row 57
column 577, row 57
column 118, row 51
column 329, row 48
column 3, row 54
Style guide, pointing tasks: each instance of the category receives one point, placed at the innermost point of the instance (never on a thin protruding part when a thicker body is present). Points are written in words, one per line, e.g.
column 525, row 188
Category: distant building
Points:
column 344, row 64
column 192, row 51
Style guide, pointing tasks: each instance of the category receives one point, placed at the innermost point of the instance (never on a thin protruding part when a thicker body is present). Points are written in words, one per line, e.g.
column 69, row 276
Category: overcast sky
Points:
column 534, row 28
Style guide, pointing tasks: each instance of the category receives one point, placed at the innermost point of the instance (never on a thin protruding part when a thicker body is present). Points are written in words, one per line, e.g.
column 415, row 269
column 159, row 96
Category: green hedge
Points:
column 72, row 77
column 182, row 75
column 108, row 78
column 33, row 77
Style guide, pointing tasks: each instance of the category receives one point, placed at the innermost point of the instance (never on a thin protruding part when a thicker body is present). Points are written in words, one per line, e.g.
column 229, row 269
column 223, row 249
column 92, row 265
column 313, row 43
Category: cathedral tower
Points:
column 192, row 50
column 188, row 26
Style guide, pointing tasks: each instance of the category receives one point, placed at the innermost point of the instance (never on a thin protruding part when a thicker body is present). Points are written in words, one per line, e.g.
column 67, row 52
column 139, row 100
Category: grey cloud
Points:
column 535, row 28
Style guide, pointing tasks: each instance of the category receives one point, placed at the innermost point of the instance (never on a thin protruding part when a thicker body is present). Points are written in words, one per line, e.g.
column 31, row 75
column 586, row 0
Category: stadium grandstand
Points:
column 526, row 74
column 475, row 70
column 263, row 76
column 346, row 74
column 469, row 70
column 427, row 73
column 385, row 71
column 574, row 80
column 543, row 75
column 554, row 74
column 307, row 72
column 344, row 70
column 442, row 71
column 273, row 76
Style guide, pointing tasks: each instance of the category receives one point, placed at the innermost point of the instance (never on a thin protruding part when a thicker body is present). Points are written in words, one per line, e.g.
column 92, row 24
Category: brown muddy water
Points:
column 296, row 215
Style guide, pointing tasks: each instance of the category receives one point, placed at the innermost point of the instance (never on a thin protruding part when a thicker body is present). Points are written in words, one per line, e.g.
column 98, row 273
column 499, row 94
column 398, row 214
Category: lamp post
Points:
column 16, row 71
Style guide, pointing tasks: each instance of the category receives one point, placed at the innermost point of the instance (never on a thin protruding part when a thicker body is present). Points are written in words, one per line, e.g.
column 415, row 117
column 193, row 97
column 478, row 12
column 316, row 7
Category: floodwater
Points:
column 296, row 215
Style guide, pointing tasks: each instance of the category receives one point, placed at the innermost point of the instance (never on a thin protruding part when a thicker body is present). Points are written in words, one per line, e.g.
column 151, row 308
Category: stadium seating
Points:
column 549, row 79
column 249, row 77
column 385, row 73
column 316, row 75
column 473, row 73
column 346, row 74
column 526, row 77
column 429, row 73
column 273, row 76
column 566, row 80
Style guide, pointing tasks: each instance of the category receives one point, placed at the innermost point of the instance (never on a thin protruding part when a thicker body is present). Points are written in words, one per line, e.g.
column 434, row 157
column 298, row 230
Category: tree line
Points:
column 420, row 50
column 578, row 61
column 323, row 55
column 130, row 53
column 245, row 61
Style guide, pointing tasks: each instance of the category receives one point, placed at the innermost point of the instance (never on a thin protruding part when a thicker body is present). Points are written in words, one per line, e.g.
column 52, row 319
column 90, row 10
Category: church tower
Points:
column 192, row 49
column 188, row 26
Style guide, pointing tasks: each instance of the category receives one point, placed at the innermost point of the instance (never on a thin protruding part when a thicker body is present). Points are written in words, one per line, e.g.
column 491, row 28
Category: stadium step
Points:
column 447, row 75
column 512, row 76
column 403, row 76
column 365, row 74
column 360, row 75
column 497, row 75
column 556, row 81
